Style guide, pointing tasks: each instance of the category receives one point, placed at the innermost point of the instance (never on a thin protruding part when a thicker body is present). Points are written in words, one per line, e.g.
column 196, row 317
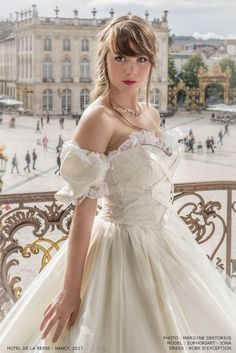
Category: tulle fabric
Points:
column 84, row 171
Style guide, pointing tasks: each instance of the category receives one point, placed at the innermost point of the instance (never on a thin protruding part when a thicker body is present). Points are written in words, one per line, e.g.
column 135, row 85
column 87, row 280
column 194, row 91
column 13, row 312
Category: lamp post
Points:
column 3, row 165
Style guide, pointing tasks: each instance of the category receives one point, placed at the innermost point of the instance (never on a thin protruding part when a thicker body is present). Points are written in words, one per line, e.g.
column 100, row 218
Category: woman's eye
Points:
column 142, row 59
column 119, row 58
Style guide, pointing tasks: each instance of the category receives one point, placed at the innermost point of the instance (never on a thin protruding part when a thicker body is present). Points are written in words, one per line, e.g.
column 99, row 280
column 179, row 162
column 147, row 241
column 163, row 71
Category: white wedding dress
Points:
column 145, row 276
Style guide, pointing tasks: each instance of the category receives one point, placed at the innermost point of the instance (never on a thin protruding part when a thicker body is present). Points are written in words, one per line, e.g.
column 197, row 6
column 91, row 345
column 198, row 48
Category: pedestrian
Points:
column 41, row 120
column 34, row 157
column 212, row 141
column 14, row 164
column 163, row 122
column 58, row 164
column 209, row 145
column 62, row 122
column 191, row 136
column 38, row 126
column 45, row 143
column 199, row 146
column 226, row 129
column 28, row 161
column 48, row 117
column 190, row 145
column 59, row 144
column 220, row 137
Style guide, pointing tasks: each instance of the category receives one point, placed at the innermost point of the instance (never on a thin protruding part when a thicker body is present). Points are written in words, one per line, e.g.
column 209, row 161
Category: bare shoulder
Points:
column 94, row 130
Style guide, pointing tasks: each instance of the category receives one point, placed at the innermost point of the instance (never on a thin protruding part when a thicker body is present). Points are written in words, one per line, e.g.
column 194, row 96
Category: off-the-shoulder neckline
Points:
column 127, row 139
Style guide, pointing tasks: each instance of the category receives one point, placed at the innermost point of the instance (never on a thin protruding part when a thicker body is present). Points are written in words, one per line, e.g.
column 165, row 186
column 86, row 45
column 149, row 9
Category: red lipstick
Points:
column 129, row 82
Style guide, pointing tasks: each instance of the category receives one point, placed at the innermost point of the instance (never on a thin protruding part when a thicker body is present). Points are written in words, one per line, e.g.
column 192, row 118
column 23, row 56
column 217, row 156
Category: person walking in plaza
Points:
column 199, row 146
column 190, row 145
column 34, row 158
column 163, row 123
column 220, row 137
column 48, row 117
column 209, row 145
column 15, row 164
column 212, row 141
column 58, row 164
column 41, row 120
column 62, row 119
column 38, row 126
column 59, row 144
column 45, row 143
column 226, row 129
column 28, row 161
column 131, row 277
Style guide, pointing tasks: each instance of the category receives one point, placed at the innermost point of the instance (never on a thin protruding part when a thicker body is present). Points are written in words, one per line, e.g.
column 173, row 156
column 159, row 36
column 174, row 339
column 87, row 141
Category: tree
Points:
column 227, row 62
column 171, row 40
column 173, row 78
column 189, row 72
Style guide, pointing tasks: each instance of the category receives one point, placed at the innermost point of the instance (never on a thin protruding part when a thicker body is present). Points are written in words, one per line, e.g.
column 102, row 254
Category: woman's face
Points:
column 127, row 73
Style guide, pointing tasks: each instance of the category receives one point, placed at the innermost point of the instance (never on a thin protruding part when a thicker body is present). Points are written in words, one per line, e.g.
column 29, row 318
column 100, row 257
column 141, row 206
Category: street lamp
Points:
column 3, row 164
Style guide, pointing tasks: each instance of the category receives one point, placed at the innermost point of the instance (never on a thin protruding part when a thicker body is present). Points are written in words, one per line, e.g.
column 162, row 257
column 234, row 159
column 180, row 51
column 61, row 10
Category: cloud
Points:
column 185, row 16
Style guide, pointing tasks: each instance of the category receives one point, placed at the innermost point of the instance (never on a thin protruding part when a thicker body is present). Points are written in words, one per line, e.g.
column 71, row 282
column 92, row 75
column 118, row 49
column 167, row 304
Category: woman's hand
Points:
column 63, row 310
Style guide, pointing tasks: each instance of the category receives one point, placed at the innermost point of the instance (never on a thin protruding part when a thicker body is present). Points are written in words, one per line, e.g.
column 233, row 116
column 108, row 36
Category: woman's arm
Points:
column 93, row 133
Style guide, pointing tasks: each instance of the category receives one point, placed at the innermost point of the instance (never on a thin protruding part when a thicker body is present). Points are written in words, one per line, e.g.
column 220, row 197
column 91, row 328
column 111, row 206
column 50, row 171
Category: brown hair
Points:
column 125, row 35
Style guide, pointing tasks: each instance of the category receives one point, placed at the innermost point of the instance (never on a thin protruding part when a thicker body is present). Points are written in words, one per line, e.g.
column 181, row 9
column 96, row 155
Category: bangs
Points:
column 130, row 42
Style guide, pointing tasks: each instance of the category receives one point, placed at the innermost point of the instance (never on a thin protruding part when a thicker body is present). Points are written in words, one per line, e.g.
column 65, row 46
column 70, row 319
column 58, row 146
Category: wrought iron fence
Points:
column 33, row 226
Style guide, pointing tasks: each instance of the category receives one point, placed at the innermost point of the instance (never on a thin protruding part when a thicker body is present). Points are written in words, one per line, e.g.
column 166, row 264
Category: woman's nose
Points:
column 130, row 68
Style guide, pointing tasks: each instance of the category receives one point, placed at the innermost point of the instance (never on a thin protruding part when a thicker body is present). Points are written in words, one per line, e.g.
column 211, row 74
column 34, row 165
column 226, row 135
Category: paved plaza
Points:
column 197, row 166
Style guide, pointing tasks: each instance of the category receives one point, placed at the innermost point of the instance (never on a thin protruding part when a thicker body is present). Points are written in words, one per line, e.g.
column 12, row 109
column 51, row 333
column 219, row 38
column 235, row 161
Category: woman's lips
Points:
column 129, row 83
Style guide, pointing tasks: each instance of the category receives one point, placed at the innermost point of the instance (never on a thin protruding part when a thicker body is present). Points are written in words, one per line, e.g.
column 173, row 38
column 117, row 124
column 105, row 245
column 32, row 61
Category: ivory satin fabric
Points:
column 145, row 276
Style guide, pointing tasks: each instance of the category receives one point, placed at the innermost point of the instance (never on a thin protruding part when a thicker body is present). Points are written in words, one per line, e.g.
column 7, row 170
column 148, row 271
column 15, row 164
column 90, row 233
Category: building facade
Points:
column 49, row 62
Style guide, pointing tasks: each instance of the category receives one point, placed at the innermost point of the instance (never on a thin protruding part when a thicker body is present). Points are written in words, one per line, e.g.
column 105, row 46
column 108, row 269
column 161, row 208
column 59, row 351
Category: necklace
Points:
column 130, row 111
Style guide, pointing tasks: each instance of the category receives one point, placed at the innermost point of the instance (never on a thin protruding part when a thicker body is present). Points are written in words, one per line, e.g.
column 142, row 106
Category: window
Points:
column 26, row 68
column 85, row 45
column 66, row 44
column 22, row 67
column 155, row 97
column 30, row 66
column 66, row 101
column 66, row 69
column 84, row 69
column 47, row 69
column 47, row 99
column 84, row 98
column 47, row 44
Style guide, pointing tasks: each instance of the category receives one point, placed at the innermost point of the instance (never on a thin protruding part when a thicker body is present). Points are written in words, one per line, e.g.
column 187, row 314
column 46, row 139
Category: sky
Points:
column 186, row 17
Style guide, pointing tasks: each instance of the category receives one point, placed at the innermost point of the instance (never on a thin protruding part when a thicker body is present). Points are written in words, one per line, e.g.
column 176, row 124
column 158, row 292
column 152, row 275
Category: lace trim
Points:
column 167, row 142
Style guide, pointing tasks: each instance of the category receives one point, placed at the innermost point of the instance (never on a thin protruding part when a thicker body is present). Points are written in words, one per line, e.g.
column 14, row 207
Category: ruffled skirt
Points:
column 147, row 288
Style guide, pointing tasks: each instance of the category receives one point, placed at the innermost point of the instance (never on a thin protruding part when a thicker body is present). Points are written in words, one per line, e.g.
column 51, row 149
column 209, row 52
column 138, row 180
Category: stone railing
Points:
column 33, row 226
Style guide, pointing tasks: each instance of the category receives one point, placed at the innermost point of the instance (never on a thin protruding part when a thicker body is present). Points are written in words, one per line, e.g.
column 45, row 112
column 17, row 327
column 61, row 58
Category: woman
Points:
column 133, row 274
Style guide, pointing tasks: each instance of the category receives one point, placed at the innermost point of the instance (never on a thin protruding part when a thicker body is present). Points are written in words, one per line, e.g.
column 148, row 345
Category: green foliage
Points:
column 171, row 40
column 227, row 62
column 173, row 78
column 189, row 72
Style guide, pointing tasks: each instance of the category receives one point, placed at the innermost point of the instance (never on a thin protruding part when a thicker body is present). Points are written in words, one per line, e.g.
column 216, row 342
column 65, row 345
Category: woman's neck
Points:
column 124, row 100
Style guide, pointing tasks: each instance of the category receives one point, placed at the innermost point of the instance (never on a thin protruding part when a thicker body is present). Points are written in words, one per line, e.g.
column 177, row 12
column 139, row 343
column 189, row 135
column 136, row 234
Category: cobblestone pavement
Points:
column 198, row 166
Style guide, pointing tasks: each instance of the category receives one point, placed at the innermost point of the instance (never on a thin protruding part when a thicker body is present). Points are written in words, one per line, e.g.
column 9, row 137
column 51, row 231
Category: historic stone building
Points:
column 49, row 62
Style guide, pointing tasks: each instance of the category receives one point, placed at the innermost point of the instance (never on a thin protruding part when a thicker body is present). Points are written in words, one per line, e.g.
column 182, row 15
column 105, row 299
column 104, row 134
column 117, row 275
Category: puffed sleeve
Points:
column 84, row 172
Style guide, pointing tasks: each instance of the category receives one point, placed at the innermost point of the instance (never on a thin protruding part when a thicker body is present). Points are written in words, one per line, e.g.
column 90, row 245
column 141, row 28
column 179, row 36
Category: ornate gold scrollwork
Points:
column 43, row 221
column 201, row 217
